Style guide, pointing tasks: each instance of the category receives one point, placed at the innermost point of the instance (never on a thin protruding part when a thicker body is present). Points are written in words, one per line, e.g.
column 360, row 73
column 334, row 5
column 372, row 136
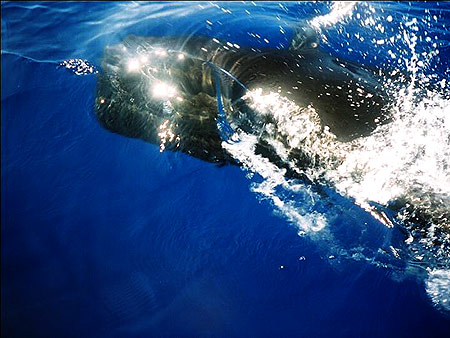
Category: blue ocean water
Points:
column 104, row 235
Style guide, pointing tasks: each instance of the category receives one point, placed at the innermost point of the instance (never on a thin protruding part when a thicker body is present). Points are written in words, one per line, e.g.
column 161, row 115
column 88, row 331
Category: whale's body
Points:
column 171, row 90
column 190, row 94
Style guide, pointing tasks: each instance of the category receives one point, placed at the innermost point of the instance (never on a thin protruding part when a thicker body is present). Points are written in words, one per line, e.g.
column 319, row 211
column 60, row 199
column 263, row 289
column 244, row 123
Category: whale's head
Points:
column 161, row 95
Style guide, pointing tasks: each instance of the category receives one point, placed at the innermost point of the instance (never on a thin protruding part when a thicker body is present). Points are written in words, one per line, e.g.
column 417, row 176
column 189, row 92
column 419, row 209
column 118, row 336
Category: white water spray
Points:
column 405, row 160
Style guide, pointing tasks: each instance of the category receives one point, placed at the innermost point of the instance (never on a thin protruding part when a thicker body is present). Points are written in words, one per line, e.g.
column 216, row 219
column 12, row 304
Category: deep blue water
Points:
column 105, row 236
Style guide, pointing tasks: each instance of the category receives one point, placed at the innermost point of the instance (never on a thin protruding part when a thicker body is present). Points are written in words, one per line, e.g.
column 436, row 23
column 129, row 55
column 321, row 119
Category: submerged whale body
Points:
column 172, row 91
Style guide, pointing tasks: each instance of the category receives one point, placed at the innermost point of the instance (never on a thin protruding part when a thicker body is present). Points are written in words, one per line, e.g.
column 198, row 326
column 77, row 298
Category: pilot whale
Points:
column 173, row 91
column 191, row 94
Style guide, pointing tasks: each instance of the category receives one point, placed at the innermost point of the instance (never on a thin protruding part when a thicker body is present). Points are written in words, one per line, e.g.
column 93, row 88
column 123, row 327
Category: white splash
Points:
column 407, row 158
column 339, row 11
column 287, row 127
column 273, row 180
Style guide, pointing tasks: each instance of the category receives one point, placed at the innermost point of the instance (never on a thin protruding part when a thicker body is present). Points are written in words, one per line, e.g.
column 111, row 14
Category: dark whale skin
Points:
column 347, row 96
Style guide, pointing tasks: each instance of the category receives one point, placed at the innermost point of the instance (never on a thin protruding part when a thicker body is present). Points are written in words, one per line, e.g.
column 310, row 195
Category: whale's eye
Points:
column 314, row 45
